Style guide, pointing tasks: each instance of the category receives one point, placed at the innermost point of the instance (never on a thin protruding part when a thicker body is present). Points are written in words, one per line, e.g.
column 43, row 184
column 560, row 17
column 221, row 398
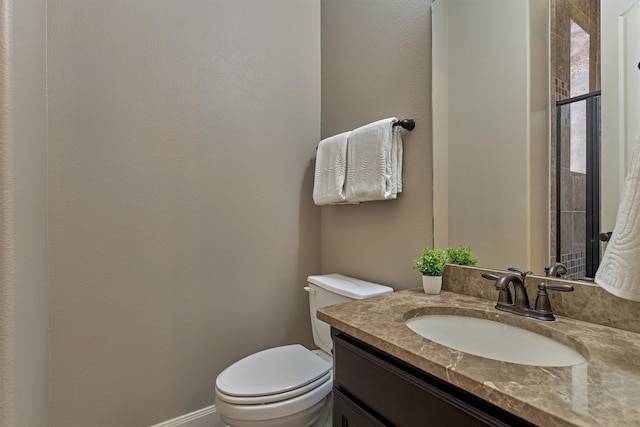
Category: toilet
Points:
column 290, row 386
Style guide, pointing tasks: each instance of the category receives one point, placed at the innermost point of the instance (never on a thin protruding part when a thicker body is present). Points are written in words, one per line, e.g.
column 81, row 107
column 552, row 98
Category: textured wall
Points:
column 376, row 63
column 23, row 214
column 181, row 222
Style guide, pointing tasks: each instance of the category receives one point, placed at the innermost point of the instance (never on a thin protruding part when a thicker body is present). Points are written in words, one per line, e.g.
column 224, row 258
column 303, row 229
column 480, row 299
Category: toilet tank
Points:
column 329, row 289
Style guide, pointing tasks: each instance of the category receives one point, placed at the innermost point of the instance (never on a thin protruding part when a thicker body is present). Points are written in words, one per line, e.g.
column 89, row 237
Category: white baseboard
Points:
column 205, row 417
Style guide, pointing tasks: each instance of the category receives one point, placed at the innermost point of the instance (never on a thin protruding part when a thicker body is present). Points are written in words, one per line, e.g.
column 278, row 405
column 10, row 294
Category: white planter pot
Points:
column 432, row 284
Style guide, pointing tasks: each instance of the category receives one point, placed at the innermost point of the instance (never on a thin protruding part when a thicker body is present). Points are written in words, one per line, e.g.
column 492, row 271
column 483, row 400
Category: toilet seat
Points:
column 257, row 400
column 274, row 383
column 274, row 374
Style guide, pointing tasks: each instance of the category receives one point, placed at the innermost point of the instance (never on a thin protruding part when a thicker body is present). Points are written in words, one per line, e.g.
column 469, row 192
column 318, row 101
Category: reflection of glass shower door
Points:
column 578, row 184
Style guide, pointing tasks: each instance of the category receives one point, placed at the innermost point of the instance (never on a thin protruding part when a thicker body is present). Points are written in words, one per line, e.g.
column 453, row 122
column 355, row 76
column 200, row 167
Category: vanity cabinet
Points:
column 372, row 388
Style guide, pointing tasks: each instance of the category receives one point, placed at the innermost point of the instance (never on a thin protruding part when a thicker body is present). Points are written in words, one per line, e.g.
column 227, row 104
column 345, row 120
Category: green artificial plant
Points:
column 461, row 256
column 431, row 262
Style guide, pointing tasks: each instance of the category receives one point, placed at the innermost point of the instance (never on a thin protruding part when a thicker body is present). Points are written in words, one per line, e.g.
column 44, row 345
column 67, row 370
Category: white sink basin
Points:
column 494, row 340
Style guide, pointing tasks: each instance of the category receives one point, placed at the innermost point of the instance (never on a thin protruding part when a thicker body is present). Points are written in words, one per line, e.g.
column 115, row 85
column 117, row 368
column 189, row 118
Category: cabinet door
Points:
column 401, row 395
column 347, row 413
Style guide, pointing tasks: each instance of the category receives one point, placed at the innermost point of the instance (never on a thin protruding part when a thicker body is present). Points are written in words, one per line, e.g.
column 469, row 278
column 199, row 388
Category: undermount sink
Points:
column 494, row 340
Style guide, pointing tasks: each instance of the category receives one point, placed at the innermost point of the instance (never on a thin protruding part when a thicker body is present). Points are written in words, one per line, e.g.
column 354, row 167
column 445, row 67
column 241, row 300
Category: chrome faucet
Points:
column 520, row 305
column 557, row 269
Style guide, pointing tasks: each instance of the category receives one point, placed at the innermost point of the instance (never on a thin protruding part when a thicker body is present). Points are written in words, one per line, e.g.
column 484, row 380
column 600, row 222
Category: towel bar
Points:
column 408, row 124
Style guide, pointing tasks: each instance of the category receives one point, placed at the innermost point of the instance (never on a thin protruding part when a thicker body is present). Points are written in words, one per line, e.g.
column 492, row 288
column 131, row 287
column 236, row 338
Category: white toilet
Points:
column 290, row 385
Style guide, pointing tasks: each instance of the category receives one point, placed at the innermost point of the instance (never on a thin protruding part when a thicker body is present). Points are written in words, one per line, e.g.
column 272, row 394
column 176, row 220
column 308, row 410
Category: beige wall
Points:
column 376, row 63
column 23, row 214
column 181, row 227
column 181, row 221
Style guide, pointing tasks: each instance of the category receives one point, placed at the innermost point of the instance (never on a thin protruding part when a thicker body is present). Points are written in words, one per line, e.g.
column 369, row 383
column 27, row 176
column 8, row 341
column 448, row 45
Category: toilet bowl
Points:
column 290, row 386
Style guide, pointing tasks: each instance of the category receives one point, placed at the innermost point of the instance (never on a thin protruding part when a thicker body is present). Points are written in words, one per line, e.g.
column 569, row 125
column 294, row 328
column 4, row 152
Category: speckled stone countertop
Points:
column 604, row 391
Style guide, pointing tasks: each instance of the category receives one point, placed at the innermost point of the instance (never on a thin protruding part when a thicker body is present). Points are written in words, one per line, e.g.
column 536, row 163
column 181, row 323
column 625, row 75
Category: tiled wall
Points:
column 575, row 262
column 587, row 15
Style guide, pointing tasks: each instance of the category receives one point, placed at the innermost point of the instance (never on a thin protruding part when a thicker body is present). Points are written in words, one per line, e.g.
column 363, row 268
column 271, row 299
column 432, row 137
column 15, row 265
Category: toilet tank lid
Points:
column 349, row 286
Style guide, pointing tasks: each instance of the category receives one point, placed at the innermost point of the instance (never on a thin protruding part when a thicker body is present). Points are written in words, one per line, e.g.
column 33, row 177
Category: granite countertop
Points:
column 604, row 391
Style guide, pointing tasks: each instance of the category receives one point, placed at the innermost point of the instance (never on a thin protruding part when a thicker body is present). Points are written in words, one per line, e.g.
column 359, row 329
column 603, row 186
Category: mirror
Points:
column 494, row 137
column 575, row 136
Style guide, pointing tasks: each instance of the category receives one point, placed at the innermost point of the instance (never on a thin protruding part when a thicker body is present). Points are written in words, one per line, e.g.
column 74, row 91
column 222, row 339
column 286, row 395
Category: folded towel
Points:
column 398, row 150
column 331, row 165
column 619, row 271
column 374, row 167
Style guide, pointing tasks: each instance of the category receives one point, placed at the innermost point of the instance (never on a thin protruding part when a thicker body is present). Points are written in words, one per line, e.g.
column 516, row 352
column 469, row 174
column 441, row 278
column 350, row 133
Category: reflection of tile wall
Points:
column 575, row 263
column 587, row 15
column 562, row 89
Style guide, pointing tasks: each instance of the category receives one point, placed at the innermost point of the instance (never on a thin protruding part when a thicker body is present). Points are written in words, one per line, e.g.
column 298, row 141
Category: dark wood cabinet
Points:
column 350, row 414
column 372, row 388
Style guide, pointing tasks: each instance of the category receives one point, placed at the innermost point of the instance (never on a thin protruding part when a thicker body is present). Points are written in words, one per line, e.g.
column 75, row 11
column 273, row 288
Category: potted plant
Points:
column 431, row 265
column 461, row 256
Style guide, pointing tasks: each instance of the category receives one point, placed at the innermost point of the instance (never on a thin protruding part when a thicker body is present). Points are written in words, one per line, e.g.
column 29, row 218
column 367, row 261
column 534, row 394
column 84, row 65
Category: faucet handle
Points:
column 559, row 287
column 521, row 272
column 557, row 269
column 504, row 296
column 543, row 304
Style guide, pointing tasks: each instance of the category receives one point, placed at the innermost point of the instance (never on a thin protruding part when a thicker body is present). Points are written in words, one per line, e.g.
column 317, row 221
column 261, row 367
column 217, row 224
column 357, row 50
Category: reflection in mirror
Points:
column 577, row 172
column 495, row 126
column 491, row 129
column 620, row 40
column 575, row 136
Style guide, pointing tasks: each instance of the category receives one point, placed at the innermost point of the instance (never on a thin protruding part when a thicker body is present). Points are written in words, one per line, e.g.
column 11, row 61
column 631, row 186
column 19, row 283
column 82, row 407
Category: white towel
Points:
column 330, row 173
column 374, row 162
column 398, row 150
column 619, row 271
